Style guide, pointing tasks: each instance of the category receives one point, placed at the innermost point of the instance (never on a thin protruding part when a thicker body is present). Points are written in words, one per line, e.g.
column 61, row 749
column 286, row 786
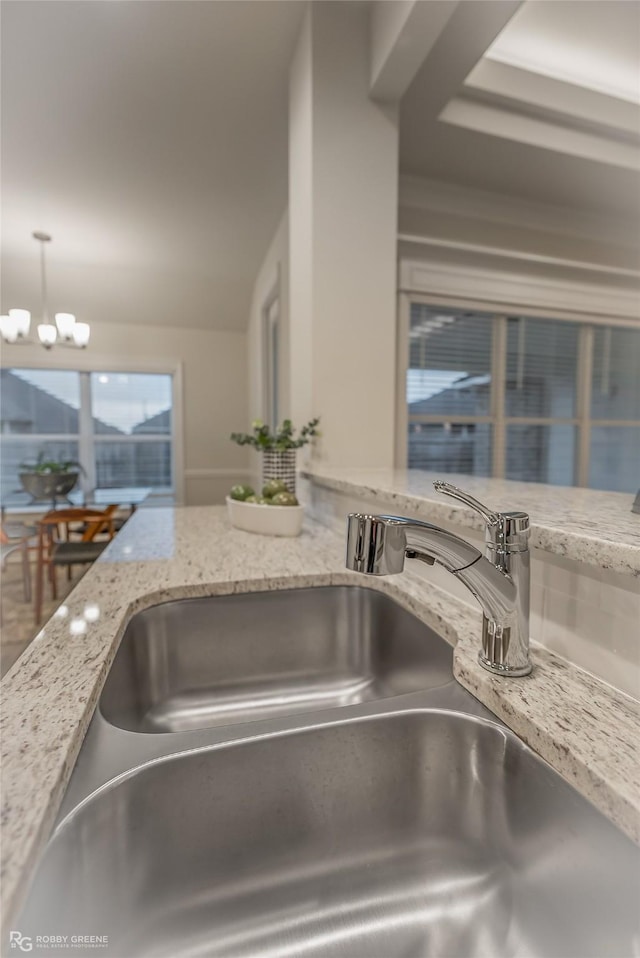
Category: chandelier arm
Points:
column 43, row 282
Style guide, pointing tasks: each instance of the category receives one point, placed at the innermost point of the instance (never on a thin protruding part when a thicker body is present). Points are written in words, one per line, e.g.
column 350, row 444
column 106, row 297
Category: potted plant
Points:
column 278, row 448
column 49, row 478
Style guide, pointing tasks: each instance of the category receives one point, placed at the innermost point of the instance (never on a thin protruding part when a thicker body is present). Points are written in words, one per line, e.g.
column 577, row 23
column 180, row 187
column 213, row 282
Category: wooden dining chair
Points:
column 68, row 537
column 16, row 539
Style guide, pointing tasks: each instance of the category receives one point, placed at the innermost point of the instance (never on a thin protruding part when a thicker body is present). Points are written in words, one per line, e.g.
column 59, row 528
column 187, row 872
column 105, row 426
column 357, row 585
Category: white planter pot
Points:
column 48, row 485
column 265, row 520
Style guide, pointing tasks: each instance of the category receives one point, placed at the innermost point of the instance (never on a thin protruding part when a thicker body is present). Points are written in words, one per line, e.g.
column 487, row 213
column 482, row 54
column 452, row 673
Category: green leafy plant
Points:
column 46, row 467
column 280, row 440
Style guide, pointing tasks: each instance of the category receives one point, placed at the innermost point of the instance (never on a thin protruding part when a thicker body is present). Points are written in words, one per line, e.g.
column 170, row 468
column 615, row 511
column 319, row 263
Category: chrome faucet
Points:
column 499, row 579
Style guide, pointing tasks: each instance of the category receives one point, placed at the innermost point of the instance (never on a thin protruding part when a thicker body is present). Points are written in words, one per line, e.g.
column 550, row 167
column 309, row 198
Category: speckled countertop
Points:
column 582, row 524
column 585, row 729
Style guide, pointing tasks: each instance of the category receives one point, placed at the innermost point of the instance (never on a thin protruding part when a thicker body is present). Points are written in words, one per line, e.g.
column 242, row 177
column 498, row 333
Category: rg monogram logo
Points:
column 20, row 941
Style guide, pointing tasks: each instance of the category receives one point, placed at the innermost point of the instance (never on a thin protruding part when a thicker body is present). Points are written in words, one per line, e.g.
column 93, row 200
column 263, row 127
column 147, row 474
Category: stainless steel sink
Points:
column 203, row 663
column 406, row 835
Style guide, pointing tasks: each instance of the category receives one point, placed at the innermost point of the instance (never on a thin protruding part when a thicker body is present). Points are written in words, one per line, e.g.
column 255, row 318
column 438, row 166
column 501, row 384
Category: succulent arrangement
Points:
column 280, row 440
column 274, row 493
column 47, row 467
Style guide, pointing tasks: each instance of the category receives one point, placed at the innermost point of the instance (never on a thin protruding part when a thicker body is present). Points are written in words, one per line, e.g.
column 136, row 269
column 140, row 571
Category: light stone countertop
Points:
column 586, row 525
column 585, row 729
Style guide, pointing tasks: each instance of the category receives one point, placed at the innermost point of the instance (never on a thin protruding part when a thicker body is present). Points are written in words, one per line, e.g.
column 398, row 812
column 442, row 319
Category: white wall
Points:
column 273, row 273
column 300, row 226
column 213, row 370
column 342, row 221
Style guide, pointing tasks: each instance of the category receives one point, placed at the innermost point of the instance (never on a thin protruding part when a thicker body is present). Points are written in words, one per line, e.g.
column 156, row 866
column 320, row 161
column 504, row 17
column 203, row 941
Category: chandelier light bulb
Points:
column 65, row 323
column 22, row 319
column 47, row 334
column 8, row 329
column 80, row 334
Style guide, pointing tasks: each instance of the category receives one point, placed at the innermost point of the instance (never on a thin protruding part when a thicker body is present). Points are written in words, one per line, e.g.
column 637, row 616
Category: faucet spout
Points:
column 378, row 545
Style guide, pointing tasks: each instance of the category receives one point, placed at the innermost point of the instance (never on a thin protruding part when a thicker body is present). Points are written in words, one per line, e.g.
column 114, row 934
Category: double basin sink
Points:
column 226, row 804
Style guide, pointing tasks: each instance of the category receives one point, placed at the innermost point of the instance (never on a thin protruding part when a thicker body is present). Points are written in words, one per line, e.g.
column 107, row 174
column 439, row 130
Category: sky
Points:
column 119, row 399
column 425, row 383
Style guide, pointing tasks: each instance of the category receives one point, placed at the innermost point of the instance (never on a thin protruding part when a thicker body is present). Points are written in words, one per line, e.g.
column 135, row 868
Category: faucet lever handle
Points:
column 490, row 517
column 506, row 530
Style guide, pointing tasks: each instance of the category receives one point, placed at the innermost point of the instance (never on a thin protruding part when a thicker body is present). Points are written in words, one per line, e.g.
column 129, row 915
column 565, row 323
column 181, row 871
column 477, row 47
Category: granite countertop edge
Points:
column 568, row 530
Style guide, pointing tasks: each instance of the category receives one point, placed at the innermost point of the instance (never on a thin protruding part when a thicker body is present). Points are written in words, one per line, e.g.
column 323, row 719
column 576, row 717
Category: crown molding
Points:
column 463, row 201
column 518, row 88
column 438, row 243
column 508, row 290
column 540, row 129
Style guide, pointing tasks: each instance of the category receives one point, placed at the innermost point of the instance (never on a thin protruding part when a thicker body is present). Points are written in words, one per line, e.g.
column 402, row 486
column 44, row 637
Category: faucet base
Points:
column 507, row 671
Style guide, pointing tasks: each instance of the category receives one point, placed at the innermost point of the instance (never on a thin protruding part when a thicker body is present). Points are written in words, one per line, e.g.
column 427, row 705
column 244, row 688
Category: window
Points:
column 449, row 391
column 118, row 425
column 614, row 454
column 540, row 400
column 131, row 419
column 537, row 400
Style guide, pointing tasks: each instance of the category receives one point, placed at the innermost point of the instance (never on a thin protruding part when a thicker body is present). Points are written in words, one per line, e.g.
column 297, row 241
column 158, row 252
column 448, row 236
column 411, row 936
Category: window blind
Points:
column 449, row 378
column 518, row 397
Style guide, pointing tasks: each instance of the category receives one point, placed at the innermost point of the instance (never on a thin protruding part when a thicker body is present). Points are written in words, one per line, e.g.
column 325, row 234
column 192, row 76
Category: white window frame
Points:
column 86, row 441
column 508, row 294
column 271, row 385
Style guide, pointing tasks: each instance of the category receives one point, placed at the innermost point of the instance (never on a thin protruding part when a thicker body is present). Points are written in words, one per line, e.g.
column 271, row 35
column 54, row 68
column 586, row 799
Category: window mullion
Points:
column 402, row 365
column 85, row 442
column 498, row 368
column 583, row 403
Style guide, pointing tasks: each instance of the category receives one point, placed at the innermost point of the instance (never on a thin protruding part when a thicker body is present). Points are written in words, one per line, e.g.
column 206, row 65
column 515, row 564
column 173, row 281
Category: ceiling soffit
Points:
column 527, row 107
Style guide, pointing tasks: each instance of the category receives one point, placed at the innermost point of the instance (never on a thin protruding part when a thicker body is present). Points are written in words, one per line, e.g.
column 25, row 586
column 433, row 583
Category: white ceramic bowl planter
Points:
column 265, row 520
column 270, row 513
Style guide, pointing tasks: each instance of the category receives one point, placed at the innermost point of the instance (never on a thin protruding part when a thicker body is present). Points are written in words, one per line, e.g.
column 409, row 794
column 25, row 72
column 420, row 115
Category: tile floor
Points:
column 18, row 627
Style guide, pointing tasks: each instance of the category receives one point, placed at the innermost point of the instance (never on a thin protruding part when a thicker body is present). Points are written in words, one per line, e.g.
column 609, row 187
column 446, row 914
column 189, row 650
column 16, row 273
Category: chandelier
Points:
column 14, row 327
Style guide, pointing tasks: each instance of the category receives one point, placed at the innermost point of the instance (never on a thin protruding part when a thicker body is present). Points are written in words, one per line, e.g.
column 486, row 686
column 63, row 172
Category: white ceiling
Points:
column 540, row 132
column 150, row 140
